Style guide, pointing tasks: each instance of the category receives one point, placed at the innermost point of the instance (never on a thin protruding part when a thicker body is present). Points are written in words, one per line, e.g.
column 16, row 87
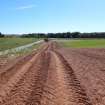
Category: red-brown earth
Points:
column 55, row 76
column 89, row 67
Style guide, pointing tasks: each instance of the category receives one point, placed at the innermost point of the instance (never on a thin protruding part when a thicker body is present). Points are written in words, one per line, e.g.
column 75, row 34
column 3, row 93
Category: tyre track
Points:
column 38, row 88
column 23, row 86
column 5, row 89
column 6, row 74
column 11, row 70
column 47, row 79
column 70, row 86
column 29, row 89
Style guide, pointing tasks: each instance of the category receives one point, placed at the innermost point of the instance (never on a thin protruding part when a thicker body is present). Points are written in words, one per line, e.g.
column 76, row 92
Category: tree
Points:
column 75, row 34
column 1, row 35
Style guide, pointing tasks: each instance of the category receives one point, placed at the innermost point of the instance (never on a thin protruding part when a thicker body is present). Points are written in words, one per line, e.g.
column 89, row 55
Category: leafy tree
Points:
column 1, row 35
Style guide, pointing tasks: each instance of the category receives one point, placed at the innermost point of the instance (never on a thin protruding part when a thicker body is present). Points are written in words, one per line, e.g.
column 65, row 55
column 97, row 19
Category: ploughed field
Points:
column 53, row 75
column 88, row 65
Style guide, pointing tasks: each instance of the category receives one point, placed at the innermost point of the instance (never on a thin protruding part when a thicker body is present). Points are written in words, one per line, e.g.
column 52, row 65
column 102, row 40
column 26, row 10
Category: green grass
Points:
column 87, row 43
column 8, row 43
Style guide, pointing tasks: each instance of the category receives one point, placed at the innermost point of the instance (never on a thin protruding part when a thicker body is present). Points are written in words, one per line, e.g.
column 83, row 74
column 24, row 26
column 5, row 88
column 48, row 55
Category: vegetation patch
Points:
column 8, row 43
column 88, row 43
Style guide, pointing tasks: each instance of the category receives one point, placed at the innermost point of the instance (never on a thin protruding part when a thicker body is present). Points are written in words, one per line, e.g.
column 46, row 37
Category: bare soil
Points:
column 89, row 67
column 54, row 76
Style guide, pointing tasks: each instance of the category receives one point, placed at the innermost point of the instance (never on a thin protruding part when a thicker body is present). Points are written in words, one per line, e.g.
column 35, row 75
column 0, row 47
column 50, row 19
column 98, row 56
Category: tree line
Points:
column 59, row 35
column 66, row 35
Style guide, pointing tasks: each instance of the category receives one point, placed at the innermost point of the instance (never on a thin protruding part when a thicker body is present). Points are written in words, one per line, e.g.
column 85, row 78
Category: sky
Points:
column 32, row 16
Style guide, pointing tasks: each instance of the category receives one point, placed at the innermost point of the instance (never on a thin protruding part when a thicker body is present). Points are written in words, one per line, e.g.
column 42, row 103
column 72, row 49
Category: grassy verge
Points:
column 8, row 43
column 88, row 43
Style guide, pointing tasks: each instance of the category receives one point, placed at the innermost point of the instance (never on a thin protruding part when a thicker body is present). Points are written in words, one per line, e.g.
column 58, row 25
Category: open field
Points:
column 87, row 43
column 8, row 43
column 54, row 75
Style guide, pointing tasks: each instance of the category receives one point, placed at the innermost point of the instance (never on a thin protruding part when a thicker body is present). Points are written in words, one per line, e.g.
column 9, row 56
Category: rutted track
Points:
column 44, row 79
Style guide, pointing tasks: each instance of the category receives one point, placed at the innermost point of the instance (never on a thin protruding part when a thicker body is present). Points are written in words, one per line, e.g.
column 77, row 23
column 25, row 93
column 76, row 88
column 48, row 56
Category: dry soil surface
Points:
column 54, row 76
column 89, row 67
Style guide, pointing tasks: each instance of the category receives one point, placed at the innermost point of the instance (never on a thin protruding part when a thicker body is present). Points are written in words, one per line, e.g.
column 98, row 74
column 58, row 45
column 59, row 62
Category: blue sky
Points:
column 26, row 16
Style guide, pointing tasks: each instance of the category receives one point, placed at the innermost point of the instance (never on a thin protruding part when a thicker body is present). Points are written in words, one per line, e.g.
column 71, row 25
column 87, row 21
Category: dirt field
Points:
column 89, row 67
column 55, row 76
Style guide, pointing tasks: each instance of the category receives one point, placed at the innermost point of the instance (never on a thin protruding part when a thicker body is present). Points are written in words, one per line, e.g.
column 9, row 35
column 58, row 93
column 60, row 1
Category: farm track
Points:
column 43, row 78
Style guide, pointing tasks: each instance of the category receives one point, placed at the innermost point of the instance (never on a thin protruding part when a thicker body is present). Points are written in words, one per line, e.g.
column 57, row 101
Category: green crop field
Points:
column 87, row 43
column 8, row 43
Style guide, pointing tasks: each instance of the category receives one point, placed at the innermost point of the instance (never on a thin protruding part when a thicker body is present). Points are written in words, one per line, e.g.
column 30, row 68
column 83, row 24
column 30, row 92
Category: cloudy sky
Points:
column 26, row 16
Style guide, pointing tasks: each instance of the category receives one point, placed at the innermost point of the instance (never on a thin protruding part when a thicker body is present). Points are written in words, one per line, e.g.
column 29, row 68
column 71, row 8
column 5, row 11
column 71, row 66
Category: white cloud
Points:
column 25, row 7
